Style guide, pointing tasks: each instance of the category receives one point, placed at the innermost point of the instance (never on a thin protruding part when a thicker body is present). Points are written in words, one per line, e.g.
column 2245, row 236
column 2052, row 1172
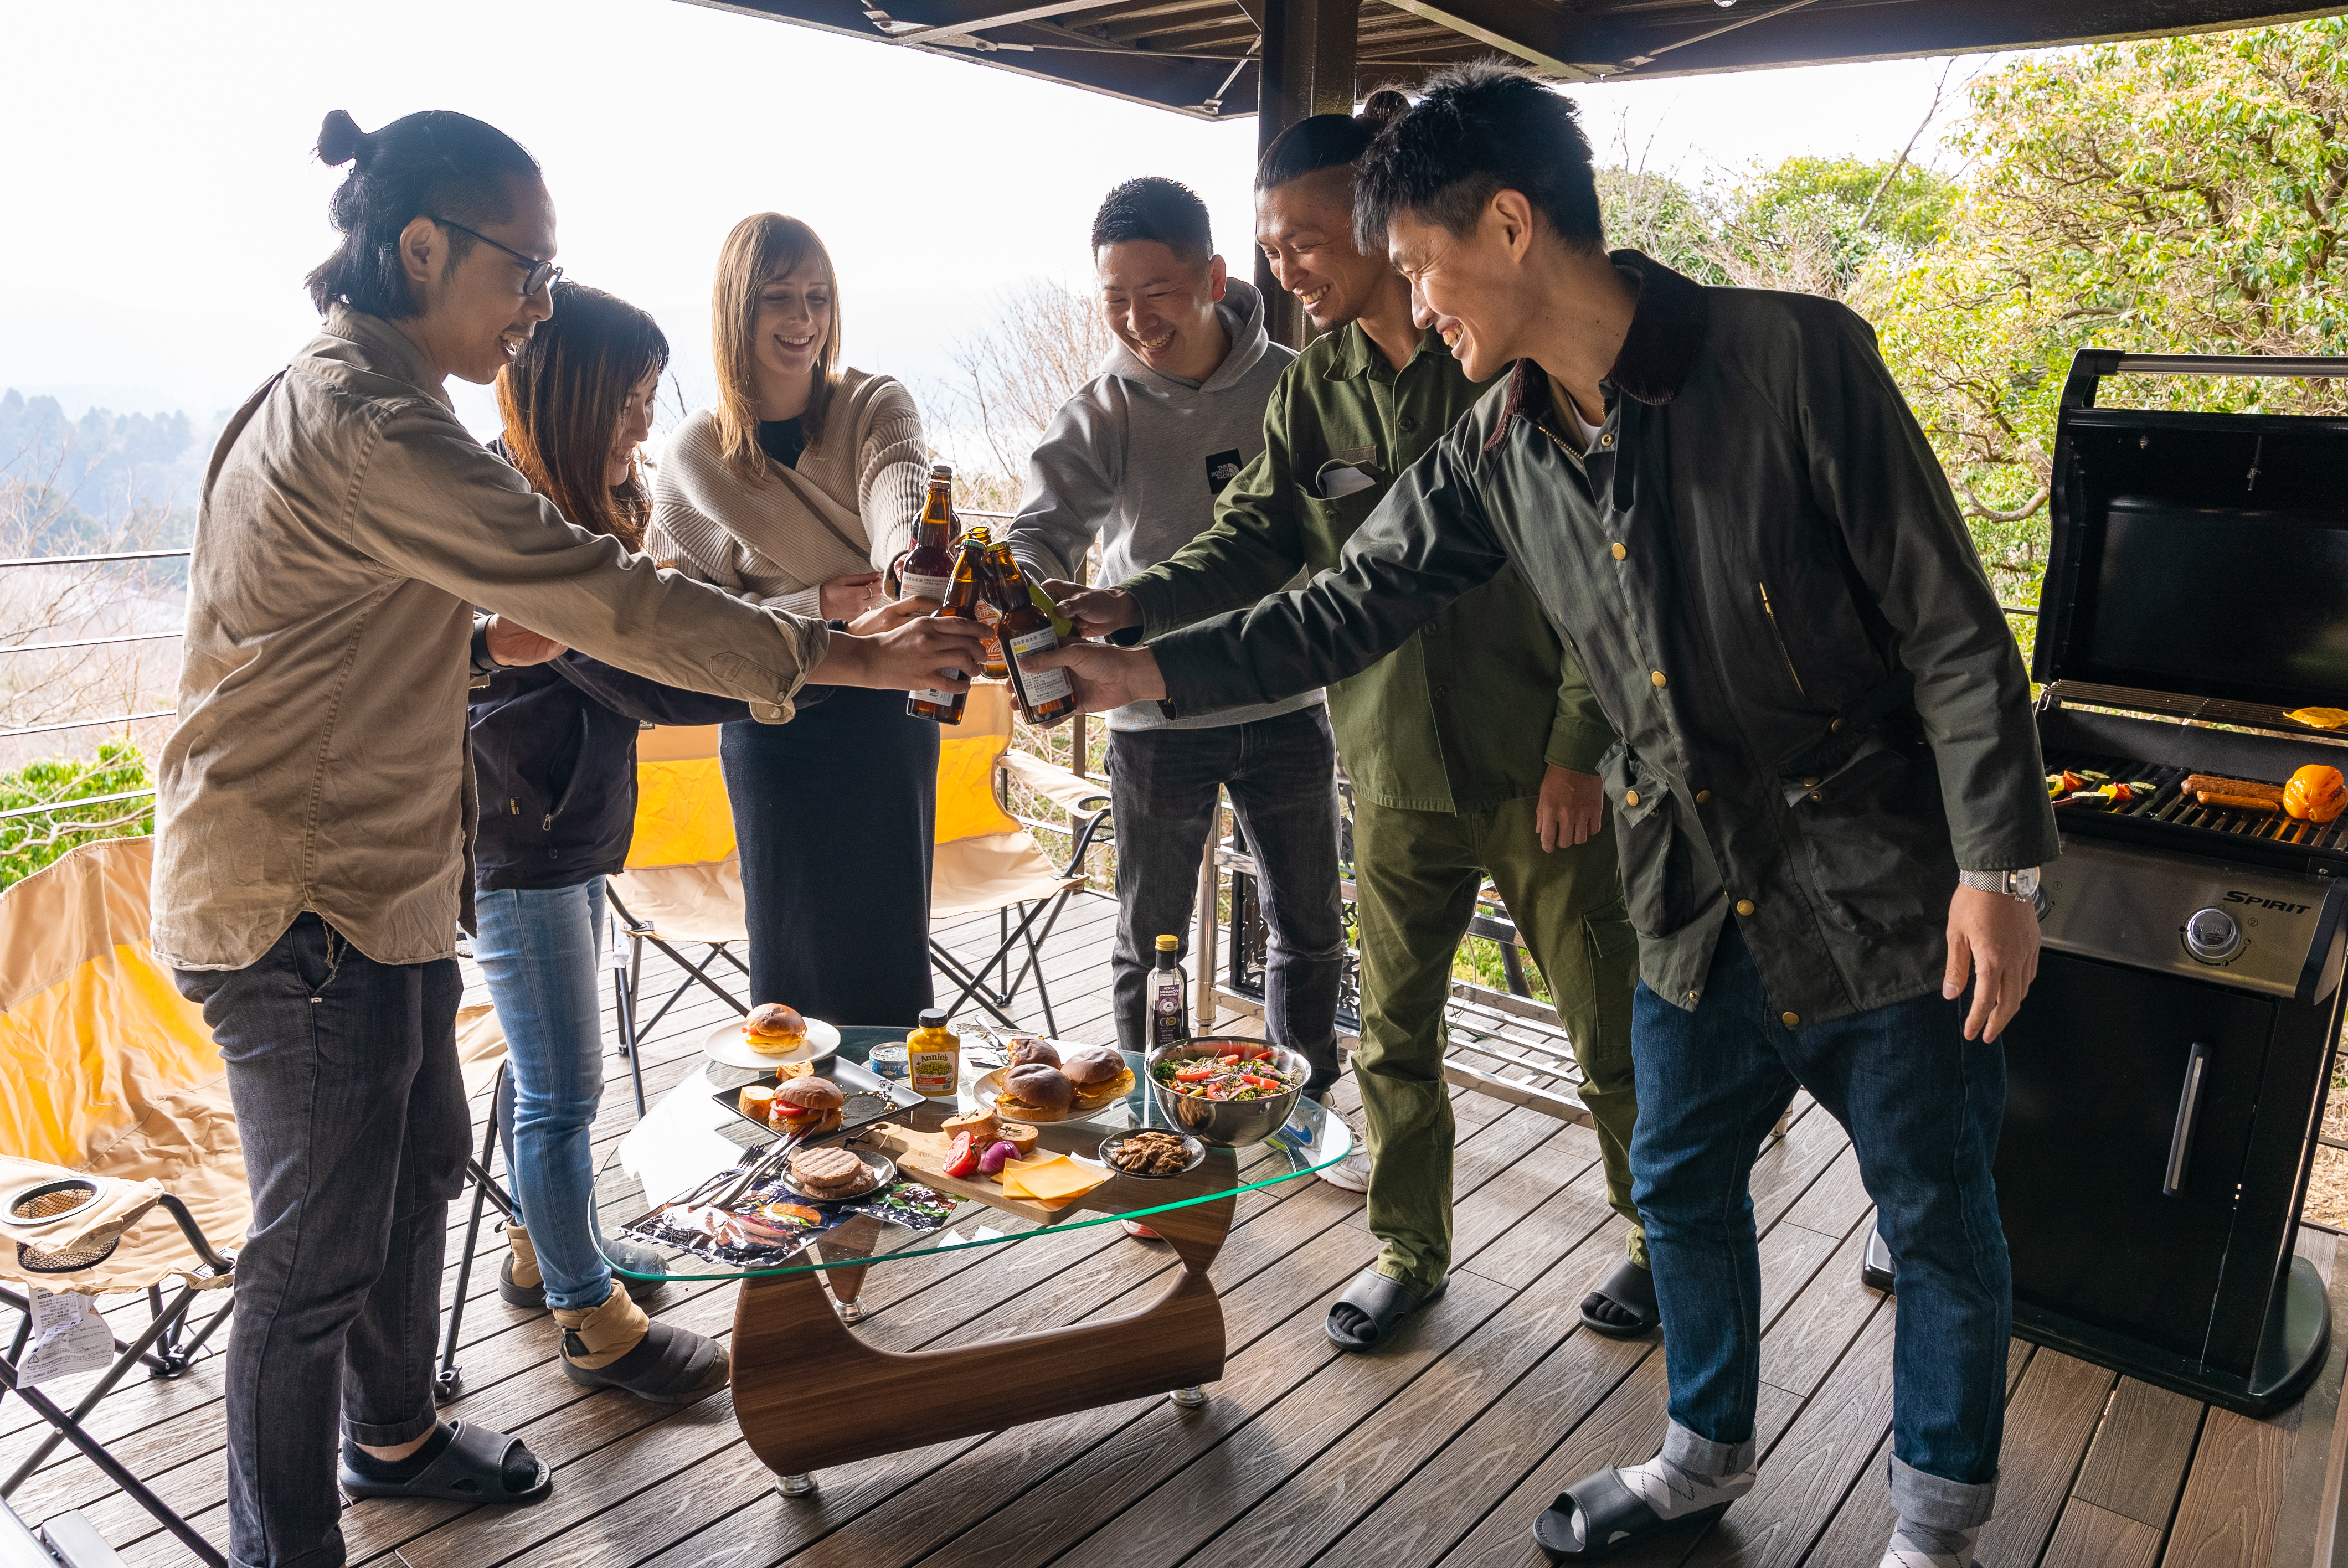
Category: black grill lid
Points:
column 2200, row 561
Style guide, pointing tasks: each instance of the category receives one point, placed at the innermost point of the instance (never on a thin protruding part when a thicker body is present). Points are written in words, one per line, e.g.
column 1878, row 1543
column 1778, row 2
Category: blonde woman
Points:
column 799, row 488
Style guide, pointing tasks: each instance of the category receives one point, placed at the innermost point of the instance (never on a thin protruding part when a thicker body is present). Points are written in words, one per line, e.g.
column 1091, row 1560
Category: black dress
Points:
column 834, row 813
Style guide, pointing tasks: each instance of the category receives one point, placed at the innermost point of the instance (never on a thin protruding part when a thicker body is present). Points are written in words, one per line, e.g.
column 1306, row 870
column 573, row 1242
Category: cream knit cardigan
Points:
column 848, row 506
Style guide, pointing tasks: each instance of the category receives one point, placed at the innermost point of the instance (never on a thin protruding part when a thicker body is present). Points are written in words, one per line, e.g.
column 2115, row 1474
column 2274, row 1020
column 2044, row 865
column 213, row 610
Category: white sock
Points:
column 1673, row 1484
column 1920, row 1546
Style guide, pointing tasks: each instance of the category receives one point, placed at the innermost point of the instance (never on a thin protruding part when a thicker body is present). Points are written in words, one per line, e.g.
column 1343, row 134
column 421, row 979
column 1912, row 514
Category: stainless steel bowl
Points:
column 1228, row 1124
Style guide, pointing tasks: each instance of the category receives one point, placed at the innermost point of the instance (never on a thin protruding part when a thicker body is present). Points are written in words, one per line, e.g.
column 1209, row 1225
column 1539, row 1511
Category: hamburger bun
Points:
column 1044, row 1088
column 1092, row 1066
column 804, row 1107
column 773, row 1028
column 1022, row 1137
column 1029, row 1050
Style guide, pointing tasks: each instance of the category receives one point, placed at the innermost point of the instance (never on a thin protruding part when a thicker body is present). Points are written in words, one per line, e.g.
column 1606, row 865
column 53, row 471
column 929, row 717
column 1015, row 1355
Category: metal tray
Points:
column 871, row 1097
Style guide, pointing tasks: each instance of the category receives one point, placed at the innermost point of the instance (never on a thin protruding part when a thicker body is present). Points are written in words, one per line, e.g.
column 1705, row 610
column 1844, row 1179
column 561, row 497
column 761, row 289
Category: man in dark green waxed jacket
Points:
column 1473, row 748
column 1829, row 796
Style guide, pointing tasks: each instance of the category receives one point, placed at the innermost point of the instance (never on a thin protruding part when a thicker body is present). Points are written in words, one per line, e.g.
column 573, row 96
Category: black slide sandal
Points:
column 471, row 1468
column 1384, row 1302
column 1631, row 1288
column 1613, row 1518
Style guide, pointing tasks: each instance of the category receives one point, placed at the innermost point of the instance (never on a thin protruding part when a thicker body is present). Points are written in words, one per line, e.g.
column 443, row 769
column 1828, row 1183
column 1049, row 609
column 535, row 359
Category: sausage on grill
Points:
column 2207, row 784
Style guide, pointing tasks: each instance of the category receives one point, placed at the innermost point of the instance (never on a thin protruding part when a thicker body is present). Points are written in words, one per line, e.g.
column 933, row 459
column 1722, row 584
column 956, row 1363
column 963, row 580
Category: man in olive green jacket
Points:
column 1472, row 748
column 1829, row 796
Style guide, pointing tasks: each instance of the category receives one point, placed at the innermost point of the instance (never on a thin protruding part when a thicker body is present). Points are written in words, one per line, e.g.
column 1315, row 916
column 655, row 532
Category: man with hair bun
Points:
column 1829, row 803
column 315, row 813
column 1135, row 460
column 1473, row 748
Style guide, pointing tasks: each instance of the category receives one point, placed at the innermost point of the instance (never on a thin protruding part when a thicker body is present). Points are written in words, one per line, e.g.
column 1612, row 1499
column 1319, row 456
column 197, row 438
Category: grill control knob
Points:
column 2212, row 935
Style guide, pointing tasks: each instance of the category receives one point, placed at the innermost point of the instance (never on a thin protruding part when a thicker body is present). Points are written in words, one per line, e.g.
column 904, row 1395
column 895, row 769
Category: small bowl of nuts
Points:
column 1152, row 1152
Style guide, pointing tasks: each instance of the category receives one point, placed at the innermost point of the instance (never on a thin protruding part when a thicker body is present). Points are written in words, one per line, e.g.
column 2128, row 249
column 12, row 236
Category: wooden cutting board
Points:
column 923, row 1156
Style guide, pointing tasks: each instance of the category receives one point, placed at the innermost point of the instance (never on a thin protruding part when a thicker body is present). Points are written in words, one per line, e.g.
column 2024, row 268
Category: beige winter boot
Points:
column 518, row 1280
column 615, row 1346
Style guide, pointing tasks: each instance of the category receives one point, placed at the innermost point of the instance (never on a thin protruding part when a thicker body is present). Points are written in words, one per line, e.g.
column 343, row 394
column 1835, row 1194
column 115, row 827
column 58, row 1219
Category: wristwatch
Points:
column 2021, row 885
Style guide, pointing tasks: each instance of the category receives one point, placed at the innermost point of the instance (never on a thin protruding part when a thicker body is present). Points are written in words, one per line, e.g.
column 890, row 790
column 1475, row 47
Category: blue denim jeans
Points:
column 351, row 1109
column 1922, row 1106
column 1282, row 777
column 541, row 950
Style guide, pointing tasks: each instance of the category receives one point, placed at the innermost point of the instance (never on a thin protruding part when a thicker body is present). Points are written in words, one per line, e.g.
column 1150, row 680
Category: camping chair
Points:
column 682, row 880
column 119, row 1164
column 481, row 1057
column 985, row 859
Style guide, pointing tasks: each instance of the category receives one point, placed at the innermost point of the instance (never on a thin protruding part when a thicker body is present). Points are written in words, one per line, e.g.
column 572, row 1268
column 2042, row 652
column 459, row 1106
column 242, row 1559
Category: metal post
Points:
column 1308, row 68
column 1202, row 946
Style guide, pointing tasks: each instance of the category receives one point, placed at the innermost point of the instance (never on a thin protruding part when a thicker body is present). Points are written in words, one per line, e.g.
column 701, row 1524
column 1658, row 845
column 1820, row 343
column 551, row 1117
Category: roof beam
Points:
column 1533, row 34
column 1049, row 8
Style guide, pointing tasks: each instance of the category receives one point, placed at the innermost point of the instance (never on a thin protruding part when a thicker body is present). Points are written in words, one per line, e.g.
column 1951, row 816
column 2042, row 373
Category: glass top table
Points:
column 796, row 1311
column 693, row 1136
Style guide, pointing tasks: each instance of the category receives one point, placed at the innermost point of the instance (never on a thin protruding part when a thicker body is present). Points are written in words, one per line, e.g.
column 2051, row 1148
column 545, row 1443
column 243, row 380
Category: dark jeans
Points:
column 834, row 813
column 351, row 1112
column 1922, row 1106
column 1282, row 776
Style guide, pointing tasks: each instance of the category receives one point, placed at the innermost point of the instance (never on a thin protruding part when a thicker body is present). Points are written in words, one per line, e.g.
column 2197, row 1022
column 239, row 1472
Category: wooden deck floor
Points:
column 1438, row 1449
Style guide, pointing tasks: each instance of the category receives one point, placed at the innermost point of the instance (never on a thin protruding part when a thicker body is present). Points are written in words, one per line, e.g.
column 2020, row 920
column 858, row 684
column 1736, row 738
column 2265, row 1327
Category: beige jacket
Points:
column 349, row 525
column 848, row 506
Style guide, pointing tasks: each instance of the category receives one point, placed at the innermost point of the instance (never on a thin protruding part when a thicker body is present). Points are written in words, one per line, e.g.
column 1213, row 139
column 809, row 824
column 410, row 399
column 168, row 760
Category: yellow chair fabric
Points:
column 106, row 1068
column 984, row 860
column 682, row 817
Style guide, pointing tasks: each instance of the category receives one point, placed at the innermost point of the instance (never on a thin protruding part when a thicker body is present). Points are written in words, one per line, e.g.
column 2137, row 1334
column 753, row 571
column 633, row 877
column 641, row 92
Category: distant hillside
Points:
column 104, row 480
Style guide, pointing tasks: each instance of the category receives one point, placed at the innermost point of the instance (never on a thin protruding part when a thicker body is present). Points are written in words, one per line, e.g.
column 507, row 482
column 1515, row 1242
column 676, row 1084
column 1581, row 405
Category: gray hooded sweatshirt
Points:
column 1137, row 458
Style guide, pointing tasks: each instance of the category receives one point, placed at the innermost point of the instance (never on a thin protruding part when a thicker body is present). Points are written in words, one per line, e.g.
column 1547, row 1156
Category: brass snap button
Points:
column 1619, row 552
column 1657, row 678
column 1629, row 797
column 1790, row 1020
column 1745, row 905
column 1703, row 795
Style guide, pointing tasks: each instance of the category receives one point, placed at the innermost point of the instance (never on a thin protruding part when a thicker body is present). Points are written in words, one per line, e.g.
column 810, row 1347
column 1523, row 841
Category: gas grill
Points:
column 2167, row 1075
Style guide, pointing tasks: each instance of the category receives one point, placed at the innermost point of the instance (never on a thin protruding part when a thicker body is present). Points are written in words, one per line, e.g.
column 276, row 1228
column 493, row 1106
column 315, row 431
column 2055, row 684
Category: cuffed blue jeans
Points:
column 541, row 950
column 351, row 1110
column 1282, row 777
column 1922, row 1106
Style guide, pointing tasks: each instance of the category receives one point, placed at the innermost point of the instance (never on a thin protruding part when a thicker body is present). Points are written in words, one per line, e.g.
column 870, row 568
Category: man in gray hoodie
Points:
column 1135, row 458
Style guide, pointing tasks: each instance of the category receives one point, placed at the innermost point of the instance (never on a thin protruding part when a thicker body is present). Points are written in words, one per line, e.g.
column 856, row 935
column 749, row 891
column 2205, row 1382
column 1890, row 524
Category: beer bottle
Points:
column 970, row 577
column 1044, row 694
column 926, row 572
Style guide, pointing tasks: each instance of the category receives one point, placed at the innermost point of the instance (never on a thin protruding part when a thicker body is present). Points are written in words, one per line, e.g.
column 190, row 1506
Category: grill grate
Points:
column 2170, row 804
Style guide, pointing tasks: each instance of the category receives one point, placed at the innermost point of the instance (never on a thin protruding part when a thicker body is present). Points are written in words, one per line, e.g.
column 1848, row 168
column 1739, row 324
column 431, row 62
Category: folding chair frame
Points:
column 172, row 1358
column 973, row 978
column 449, row 1381
column 628, row 978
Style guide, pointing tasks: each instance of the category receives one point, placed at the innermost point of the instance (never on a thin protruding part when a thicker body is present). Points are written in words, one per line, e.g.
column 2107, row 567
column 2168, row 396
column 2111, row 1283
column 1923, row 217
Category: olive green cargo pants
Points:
column 1415, row 875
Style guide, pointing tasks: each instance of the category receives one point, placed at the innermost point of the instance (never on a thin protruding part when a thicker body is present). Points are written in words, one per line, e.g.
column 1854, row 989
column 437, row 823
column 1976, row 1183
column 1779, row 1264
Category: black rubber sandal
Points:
column 1613, row 1518
column 471, row 1468
column 1384, row 1302
column 1631, row 1288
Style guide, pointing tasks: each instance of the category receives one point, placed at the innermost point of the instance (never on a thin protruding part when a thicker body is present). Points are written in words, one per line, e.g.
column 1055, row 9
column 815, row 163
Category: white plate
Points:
column 725, row 1043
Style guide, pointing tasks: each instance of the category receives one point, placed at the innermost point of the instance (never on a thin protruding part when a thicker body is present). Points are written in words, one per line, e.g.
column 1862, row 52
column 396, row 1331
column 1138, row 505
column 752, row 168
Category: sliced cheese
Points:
column 1055, row 1180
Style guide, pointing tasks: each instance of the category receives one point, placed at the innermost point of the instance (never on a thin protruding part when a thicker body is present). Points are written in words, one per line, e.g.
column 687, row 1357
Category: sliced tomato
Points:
column 1198, row 1074
column 962, row 1159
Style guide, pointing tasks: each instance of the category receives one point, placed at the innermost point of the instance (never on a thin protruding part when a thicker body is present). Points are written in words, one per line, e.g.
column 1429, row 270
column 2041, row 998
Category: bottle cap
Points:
column 933, row 1018
column 1170, row 944
column 940, row 470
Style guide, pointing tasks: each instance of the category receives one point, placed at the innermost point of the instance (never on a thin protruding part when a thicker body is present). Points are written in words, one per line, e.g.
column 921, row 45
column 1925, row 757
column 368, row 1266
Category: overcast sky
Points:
column 164, row 204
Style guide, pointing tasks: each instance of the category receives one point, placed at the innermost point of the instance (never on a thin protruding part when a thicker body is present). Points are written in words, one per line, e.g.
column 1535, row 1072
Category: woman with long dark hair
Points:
column 555, row 756
column 802, row 484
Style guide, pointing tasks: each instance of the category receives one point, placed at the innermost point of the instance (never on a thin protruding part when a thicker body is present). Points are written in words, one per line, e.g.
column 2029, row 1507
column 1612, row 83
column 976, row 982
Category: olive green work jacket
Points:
column 1823, row 713
column 1470, row 709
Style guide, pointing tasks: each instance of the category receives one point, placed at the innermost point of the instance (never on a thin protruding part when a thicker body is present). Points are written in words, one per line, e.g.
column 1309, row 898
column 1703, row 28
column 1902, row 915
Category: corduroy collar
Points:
column 1667, row 328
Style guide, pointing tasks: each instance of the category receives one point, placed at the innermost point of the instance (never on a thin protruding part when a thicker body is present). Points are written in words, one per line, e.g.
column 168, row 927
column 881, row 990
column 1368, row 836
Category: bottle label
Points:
column 1042, row 685
column 918, row 587
column 1166, row 1012
column 934, row 1072
column 942, row 699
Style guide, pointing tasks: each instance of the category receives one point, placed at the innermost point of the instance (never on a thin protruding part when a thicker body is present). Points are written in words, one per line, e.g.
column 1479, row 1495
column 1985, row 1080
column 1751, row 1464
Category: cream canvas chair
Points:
column 682, row 885
column 986, row 860
column 120, row 1170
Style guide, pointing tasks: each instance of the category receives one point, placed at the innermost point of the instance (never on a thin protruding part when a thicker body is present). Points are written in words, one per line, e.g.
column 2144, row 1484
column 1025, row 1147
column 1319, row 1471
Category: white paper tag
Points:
column 910, row 587
column 1042, row 685
column 68, row 1336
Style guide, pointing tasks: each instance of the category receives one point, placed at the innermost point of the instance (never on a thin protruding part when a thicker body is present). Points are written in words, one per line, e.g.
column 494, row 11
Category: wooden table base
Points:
column 810, row 1394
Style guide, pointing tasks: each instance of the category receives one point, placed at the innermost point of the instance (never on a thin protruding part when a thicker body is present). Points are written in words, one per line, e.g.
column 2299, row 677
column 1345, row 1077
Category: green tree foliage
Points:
column 29, row 843
column 2181, row 195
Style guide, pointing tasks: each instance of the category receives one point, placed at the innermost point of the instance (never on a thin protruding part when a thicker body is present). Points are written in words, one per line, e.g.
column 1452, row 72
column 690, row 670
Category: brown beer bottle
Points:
column 970, row 577
column 1045, row 694
column 926, row 572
